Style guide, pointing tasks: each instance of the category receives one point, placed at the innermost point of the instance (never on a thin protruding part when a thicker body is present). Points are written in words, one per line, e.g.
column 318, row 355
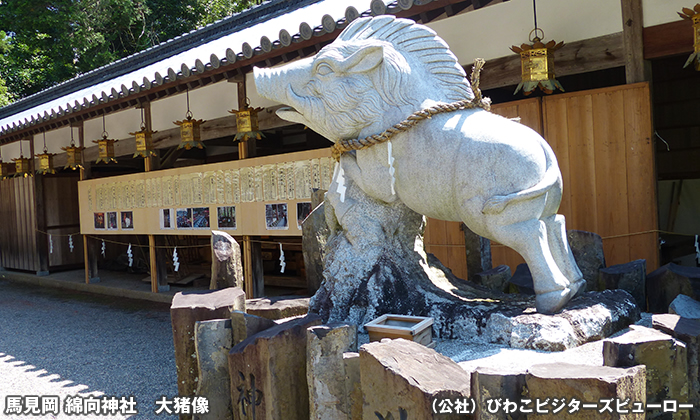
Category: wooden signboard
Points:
column 268, row 195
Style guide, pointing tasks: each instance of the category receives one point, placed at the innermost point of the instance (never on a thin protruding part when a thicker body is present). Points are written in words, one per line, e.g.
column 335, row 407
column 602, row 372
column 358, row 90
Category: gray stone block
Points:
column 666, row 364
column 277, row 307
column 587, row 248
column 185, row 310
column 669, row 281
column 685, row 306
column 226, row 265
column 268, row 373
column 353, row 383
column 213, row 340
column 401, row 377
column 325, row 370
column 244, row 325
column 314, row 235
column 630, row 277
column 491, row 382
column 587, row 384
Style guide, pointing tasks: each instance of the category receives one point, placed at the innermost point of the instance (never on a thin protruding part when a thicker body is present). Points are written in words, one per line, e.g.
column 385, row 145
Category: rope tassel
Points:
column 282, row 263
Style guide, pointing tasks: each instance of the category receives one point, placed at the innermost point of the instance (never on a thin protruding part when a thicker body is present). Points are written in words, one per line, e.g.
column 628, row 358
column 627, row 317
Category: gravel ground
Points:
column 61, row 343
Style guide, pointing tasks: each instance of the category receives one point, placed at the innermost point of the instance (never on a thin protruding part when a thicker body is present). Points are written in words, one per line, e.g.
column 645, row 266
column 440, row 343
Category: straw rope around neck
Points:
column 478, row 101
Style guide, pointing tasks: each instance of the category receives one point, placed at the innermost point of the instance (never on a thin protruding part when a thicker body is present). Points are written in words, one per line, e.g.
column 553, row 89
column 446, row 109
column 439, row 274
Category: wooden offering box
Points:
column 414, row 328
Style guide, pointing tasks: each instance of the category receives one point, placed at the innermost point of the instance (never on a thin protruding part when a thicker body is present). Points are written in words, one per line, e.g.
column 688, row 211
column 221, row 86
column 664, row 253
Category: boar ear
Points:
column 363, row 60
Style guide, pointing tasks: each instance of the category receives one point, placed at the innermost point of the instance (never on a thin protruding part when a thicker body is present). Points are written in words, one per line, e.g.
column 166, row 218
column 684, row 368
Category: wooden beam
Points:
column 633, row 42
column 668, row 39
column 593, row 54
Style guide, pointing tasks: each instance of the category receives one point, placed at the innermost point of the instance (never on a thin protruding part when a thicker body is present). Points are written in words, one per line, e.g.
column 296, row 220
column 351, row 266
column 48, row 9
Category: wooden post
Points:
column 89, row 249
column 151, row 163
column 42, row 251
column 636, row 69
column 252, row 272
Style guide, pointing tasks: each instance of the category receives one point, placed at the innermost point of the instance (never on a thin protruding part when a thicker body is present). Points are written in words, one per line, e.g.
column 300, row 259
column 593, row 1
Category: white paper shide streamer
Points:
column 104, row 248
column 340, row 179
column 70, row 243
column 50, row 244
column 282, row 263
column 176, row 261
column 130, row 256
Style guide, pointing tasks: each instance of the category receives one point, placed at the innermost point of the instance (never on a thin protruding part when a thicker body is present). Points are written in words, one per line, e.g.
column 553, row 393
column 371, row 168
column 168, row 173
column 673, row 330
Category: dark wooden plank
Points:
column 668, row 39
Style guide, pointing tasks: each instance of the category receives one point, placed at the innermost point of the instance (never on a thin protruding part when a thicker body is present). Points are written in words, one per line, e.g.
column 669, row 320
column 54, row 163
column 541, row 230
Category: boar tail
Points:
column 498, row 203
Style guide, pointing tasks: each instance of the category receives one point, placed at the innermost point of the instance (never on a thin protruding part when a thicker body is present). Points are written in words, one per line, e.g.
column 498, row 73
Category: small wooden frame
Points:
column 414, row 328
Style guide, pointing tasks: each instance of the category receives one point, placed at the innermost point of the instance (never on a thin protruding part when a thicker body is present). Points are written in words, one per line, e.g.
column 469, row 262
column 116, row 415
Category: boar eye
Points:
column 324, row 69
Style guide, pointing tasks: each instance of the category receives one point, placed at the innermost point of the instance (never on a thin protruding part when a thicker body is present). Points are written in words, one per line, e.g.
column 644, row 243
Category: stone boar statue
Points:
column 497, row 176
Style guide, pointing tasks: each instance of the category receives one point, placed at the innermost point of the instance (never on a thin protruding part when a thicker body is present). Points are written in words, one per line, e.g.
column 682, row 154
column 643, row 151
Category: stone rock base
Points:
column 375, row 264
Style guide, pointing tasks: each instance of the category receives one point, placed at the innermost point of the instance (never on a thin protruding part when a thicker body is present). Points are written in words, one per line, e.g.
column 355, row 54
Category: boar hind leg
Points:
column 561, row 251
column 529, row 239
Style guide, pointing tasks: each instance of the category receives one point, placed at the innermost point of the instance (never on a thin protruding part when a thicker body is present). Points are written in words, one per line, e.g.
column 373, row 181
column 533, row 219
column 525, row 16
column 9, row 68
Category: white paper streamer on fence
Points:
column 130, row 255
column 70, row 243
column 176, row 262
column 282, row 263
column 104, row 248
column 50, row 244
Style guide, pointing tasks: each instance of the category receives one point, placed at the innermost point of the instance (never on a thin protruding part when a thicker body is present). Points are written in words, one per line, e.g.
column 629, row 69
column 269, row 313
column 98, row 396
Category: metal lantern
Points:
column 4, row 170
column 105, row 146
column 247, row 123
column 537, row 65
column 190, row 133
column 144, row 142
column 105, row 149
column 46, row 163
column 73, row 157
column 22, row 166
column 694, row 16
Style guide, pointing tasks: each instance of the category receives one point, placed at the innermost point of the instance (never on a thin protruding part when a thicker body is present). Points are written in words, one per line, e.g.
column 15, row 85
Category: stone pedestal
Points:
column 213, row 342
column 588, row 385
column 268, row 373
column 495, row 278
column 666, row 364
column 490, row 383
column 277, row 307
column 185, row 310
column 587, row 248
column 669, row 281
column 630, row 276
column 325, row 370
column 226, row 266
column 401, row 377
column 688, row 331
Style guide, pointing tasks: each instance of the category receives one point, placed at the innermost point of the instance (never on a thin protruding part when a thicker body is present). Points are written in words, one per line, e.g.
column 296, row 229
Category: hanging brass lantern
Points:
column 105, row 148
column 247, row 123
column 537, row 65
column 22, row 167
column 46, row 163
column 74, row 156
column 190, row 132
column 694, row 16
column 144, row 142
column 4, row 170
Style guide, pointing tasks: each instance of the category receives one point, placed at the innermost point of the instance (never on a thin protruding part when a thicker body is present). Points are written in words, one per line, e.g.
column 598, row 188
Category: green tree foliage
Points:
column 44, row 42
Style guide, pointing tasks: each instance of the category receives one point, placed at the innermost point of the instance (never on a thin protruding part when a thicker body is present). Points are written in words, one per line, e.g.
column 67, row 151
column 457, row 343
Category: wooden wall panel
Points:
column 17, row 230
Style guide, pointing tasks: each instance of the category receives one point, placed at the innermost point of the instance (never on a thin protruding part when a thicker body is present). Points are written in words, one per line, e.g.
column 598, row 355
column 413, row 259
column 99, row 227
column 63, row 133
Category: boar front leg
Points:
column 369, row 169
